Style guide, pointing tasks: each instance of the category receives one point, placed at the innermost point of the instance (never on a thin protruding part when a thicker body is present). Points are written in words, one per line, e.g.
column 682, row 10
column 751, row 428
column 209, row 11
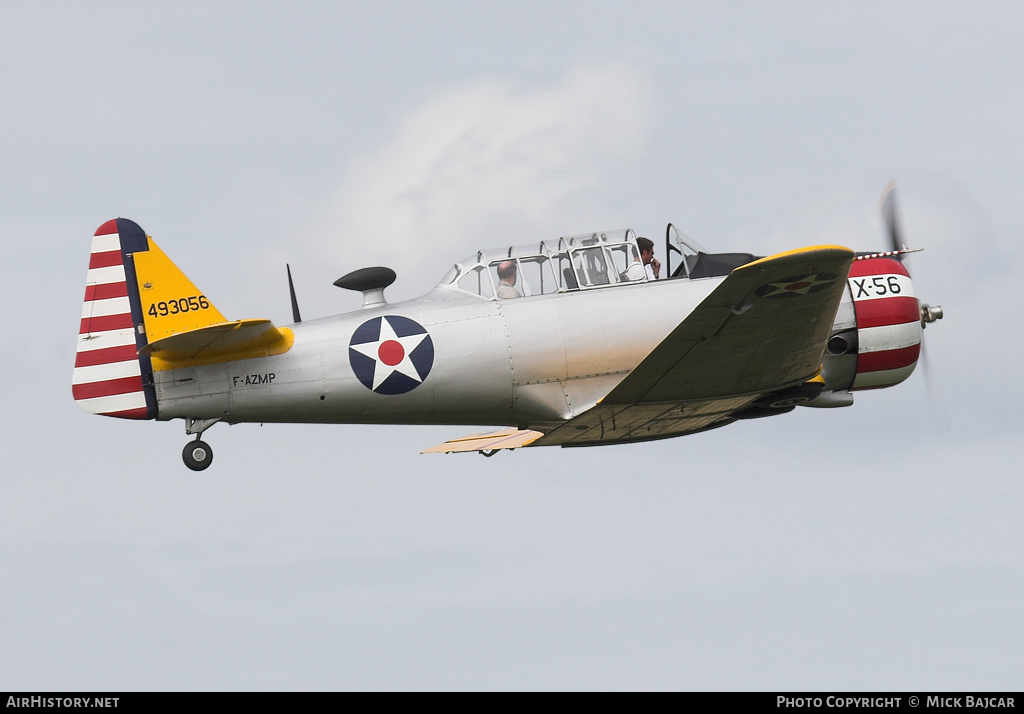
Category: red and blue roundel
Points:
column 391, row 354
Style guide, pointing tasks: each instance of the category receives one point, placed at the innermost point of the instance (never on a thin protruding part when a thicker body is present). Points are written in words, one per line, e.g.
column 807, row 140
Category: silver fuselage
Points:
column 530, row 361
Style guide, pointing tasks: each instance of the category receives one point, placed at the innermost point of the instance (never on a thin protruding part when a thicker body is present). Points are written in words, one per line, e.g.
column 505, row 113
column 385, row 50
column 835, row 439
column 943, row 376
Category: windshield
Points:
column 684, row 247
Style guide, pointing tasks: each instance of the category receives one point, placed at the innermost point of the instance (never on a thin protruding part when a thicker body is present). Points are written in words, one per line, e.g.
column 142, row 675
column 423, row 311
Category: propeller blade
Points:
column 891, row 218
column 939, row 414
column 929, row 313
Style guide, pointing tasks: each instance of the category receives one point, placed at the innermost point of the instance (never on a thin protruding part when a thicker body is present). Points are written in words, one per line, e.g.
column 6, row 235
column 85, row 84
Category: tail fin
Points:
column 134, row 295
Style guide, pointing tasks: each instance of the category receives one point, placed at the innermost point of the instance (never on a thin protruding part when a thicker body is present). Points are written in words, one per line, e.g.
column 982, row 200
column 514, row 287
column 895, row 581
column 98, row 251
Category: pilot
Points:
column 507, row 276
column 652, row 265
column 646, row 264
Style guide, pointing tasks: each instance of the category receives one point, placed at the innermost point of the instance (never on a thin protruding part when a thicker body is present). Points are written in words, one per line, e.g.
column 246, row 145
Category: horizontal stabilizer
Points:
column 241, row 339
column 489, row 441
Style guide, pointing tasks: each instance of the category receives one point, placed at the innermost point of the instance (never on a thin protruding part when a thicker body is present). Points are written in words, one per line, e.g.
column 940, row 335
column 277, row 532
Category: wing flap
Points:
column 503, row 439
column 618, row 423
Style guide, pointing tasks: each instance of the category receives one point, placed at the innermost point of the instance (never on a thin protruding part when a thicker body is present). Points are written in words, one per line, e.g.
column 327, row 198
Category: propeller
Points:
column 892, row 221
column 929, row 313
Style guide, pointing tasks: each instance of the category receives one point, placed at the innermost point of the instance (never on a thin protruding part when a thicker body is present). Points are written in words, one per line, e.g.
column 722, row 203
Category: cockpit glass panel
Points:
column 686, row 252
column 626, row 260
column 507, row 281
column 591, row 267
column 585, row 240
column 475, row 279
column 537, row 275
column 450, row 276
column 564, row 273
column 583, row 261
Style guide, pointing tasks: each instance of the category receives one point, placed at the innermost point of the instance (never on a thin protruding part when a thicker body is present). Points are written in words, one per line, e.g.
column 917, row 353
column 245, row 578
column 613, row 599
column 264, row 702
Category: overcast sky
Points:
column 875, row 547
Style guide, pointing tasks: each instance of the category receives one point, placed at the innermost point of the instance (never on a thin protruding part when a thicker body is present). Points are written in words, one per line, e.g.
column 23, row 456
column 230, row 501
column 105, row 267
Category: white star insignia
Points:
column 390, row 354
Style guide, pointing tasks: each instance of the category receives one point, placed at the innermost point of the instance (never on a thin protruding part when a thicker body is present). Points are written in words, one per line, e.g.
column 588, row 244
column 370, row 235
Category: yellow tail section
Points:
column 171, row 303
column 182, row 326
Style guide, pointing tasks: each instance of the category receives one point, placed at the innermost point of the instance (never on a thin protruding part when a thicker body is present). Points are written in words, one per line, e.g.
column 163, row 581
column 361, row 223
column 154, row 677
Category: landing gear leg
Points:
column 197, row 454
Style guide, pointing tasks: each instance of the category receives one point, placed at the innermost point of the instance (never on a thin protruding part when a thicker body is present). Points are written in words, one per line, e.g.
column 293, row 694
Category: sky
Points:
column 876, row 547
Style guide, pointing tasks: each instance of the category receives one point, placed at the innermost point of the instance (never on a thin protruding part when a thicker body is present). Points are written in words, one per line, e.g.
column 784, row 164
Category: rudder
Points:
column 134, row 294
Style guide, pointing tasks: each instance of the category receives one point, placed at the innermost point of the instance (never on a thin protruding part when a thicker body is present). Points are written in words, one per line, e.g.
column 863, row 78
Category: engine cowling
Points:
column 888, row 322
column 876, row 338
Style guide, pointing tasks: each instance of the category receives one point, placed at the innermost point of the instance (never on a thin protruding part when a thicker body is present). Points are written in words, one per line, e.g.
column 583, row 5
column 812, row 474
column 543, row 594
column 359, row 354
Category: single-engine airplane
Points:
column 565, row 342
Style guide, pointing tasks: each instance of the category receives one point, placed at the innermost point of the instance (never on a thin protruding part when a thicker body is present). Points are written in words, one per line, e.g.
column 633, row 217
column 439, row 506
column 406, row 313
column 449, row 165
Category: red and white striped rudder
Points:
column 110, row 378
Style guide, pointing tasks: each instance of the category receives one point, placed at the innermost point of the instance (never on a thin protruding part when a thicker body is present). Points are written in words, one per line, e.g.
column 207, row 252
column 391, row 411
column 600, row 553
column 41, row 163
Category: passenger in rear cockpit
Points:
column 507, row 276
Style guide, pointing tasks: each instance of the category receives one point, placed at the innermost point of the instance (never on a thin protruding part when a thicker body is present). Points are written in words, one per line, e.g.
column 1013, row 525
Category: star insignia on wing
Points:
column 796, row 285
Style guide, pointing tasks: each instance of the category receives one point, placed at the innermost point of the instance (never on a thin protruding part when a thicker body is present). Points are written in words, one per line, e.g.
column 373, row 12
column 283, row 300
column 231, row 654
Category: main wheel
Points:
column 197, row 455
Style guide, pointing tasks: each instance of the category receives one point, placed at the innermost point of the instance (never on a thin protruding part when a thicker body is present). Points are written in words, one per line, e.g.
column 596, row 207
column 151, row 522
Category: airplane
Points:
column 566, row 342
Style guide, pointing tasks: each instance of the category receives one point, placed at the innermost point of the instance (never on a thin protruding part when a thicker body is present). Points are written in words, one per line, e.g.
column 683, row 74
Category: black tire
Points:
column 197, row 455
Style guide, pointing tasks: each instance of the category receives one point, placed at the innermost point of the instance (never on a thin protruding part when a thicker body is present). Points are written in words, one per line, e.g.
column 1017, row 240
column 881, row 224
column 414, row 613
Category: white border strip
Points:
column 104, row 372
column 882, row 378
column 888, row 337
column 113, row 403
column 110, row 338
column 102, row 276
column 106, row 243
column 105, row 307
column 905, row 285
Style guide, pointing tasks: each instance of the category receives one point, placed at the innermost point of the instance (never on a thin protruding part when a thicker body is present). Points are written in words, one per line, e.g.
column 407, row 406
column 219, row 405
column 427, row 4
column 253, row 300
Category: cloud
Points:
column 489, row 163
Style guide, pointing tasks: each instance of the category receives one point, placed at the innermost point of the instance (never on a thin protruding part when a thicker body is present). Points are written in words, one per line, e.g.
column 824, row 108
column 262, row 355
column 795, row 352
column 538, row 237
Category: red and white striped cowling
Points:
column 888, row 322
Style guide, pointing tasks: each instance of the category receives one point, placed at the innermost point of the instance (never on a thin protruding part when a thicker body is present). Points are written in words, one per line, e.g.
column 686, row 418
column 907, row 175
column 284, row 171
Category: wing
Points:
column 763, row 330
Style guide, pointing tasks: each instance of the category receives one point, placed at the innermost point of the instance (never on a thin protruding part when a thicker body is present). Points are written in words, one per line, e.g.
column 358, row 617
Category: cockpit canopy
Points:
column 580, row 262
column 583, row 262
